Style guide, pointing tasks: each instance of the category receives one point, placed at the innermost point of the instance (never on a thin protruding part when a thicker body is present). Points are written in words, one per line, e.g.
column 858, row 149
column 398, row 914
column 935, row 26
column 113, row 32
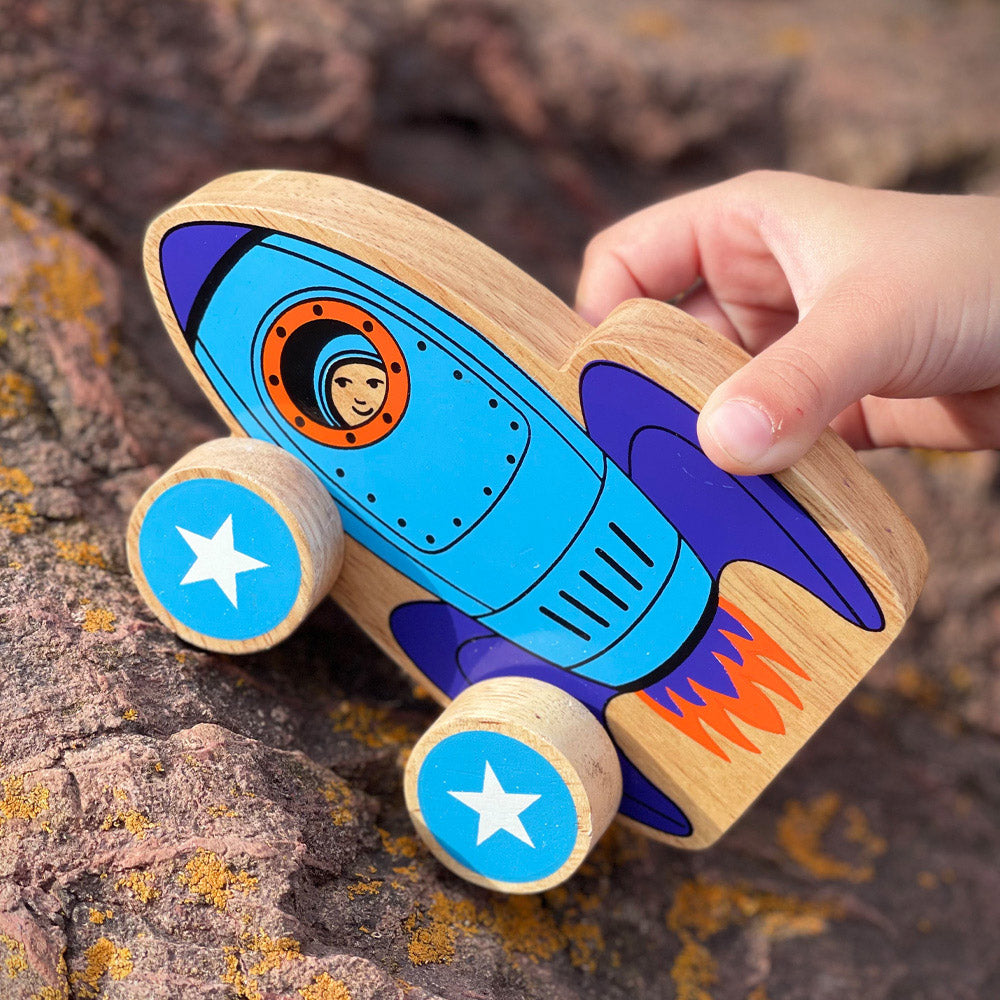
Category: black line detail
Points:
column 601, row 589
column 580, row 606
column 619, row 569
column 215, row 277
column 569, row 626
column 784, row 493
column 631, row 543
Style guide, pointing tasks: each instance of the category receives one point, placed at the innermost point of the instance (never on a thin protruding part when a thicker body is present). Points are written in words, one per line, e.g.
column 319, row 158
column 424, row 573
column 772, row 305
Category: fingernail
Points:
column 743, row 431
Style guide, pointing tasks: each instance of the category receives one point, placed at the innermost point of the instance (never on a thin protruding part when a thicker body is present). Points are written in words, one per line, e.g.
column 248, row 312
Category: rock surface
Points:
column 176, row 824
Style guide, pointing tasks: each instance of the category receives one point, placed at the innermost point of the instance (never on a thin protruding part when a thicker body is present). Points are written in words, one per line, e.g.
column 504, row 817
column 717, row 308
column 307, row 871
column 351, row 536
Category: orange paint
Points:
column 397, row 375
column 753, row 677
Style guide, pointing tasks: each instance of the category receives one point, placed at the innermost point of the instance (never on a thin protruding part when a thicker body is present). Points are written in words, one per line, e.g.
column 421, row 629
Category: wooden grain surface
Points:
column 552, row 344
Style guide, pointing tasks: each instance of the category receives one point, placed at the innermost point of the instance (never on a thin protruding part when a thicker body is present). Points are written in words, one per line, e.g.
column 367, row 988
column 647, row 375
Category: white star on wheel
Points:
column 217, row 559
column 498, row 810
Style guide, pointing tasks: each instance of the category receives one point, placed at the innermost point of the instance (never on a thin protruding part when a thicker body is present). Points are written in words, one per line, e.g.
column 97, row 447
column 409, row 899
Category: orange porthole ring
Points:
column 281, row 332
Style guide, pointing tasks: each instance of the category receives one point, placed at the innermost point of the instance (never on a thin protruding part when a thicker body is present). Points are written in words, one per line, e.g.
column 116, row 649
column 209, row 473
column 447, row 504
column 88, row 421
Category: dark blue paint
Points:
column 187, row 256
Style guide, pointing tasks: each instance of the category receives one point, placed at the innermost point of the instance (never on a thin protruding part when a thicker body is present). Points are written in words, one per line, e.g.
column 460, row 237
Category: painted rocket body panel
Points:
column 480, row 468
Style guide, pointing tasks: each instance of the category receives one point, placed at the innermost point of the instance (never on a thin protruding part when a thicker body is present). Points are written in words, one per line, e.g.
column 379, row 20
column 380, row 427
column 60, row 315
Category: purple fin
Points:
column 645, row 803
column 188, row 254
column 650, row 434
column 454, row 651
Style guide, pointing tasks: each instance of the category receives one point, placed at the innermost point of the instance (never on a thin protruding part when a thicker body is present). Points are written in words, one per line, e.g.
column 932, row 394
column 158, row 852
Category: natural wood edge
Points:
column 299, row 499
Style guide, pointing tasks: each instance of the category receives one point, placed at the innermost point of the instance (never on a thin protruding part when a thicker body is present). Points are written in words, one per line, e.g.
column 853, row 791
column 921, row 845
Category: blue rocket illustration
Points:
column 588, row 557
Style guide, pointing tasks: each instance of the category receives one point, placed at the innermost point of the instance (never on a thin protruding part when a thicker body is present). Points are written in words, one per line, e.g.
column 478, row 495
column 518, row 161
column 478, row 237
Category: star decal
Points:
column 218, row 559
column 498, row 810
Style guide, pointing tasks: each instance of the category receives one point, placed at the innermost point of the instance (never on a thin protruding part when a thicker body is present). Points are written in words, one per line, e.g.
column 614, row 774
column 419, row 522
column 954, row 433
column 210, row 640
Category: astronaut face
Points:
column 357, row 390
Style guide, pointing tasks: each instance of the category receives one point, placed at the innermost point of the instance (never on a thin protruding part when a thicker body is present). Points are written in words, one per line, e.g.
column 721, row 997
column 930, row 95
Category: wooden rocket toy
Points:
column 514, row 506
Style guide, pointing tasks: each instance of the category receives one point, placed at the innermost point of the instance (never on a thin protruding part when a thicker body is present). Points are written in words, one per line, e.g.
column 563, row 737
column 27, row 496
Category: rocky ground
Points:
column 175, row 824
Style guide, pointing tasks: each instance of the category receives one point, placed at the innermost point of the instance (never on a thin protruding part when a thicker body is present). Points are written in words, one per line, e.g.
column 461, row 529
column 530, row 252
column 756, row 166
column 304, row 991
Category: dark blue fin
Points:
column 188, row 255
column 650, row 434
column 645, row 803
column 454, row 651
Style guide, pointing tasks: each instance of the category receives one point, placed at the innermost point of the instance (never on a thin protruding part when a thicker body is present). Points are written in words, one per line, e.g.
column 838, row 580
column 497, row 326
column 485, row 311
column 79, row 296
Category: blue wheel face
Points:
column 497, row 806
column 220, row 559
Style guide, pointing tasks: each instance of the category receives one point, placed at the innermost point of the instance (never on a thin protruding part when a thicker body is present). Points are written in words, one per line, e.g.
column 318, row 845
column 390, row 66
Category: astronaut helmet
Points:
column 351, row 381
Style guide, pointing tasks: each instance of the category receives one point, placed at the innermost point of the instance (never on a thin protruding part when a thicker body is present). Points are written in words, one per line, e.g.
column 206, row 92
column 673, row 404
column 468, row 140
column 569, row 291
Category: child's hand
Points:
column 876, row 311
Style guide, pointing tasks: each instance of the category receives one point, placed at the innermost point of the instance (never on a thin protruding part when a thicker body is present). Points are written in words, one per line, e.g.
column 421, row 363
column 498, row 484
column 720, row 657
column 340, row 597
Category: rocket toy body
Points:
column 527, row 513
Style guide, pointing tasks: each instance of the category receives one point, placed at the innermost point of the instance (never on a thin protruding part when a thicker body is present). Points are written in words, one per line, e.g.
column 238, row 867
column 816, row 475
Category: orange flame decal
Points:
column 750, row 675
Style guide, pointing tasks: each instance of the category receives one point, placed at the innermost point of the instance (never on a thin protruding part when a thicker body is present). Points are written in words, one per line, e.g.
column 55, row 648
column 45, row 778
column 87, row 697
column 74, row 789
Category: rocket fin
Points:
column 188, row 255
column 650, row 433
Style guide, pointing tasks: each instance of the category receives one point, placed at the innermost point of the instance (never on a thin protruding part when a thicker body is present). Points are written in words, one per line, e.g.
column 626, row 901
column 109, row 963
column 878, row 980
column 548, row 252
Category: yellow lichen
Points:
column 208, row 876
column 528, row 927
column 132, row 820
column 525, row 925
column 927, row 880
column 868, row 704
column 338, row 794
column 274, row 952
column 81, row 553
column 917, row 687
column 15, row 803
column 51, row 993
column 219, row 810
column 693, row 971
column 98, row 620
column 66, row 289
column 16, row 956
column 16, row 517
column 99, row 916
column 244, row 988
column 364, row 888
column 103, row 958
column 16, row 395
column 404, row 846
column 433, row 934
column 371, row 725
column 702, row 909
column 410, row 872
column 961, row 678
column 130, row 715
column 649, row 22
column 15, row 481
column 142, row 885
column 792, row 40
column 325, row 987
column 586, row 943
column 271, row 953
column 860, row 832
column 801, row 830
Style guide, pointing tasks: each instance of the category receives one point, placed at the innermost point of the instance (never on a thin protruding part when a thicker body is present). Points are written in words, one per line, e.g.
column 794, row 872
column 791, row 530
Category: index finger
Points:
column 652, row 253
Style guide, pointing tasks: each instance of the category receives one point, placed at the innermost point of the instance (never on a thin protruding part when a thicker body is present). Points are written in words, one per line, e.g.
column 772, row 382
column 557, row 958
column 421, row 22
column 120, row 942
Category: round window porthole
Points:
column 335, row 373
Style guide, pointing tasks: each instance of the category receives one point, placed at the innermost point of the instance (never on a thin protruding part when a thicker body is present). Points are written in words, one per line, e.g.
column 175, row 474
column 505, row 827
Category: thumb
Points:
column 768, row 414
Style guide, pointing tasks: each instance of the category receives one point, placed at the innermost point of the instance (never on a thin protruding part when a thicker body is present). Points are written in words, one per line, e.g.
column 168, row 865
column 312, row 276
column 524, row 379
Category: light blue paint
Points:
column 458, row 763
column 264, row 596
column 486, row 492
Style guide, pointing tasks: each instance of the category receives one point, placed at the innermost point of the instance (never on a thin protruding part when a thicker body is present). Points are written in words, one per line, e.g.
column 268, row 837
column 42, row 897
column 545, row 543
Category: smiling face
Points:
column 357, row 391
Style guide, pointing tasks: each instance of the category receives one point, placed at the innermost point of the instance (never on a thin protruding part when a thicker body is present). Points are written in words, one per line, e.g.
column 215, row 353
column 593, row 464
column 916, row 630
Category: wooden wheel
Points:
column 234, row 545
column 513, row 784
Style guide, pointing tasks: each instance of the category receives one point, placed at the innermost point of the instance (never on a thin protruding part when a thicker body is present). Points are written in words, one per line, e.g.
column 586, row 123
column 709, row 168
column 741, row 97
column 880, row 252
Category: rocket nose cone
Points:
column 188, row 254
